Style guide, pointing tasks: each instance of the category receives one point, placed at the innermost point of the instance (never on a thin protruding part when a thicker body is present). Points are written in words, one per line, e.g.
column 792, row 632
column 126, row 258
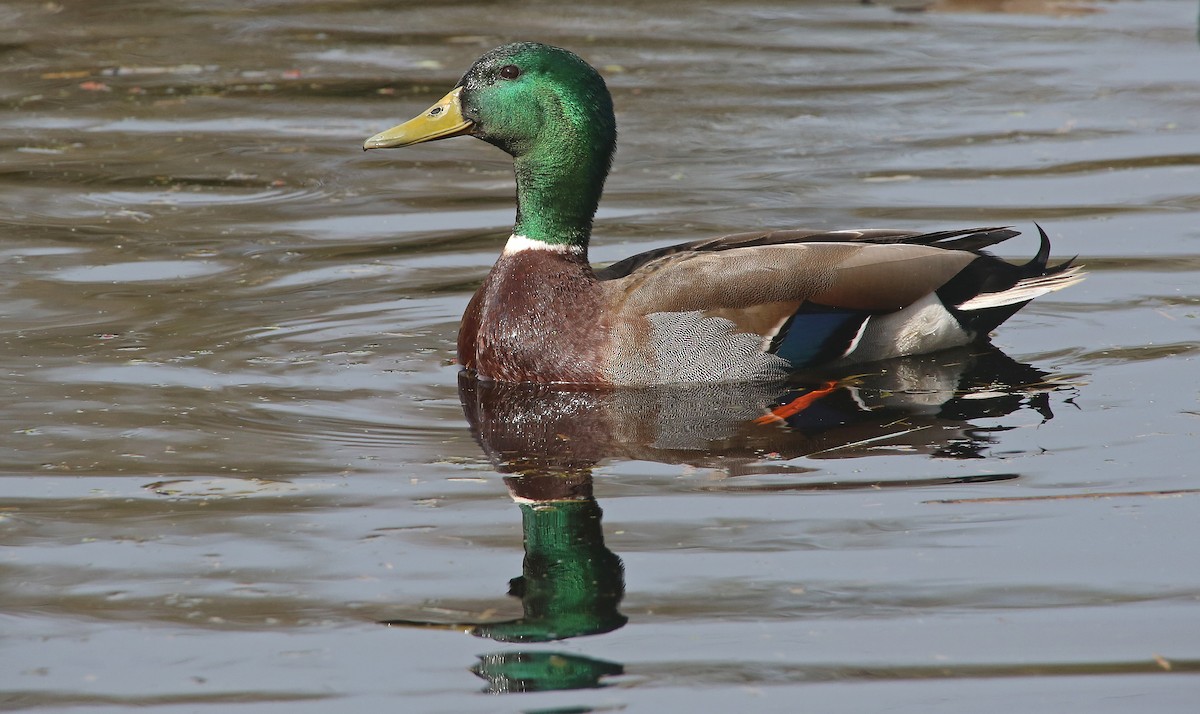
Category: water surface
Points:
column 234, row 440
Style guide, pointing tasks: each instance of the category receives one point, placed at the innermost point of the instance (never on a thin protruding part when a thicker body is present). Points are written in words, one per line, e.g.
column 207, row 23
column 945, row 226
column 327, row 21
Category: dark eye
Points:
column 510, row 71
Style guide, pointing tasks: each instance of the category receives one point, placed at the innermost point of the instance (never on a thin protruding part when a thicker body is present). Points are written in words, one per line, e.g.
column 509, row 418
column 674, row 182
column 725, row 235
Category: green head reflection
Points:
column 570, row 583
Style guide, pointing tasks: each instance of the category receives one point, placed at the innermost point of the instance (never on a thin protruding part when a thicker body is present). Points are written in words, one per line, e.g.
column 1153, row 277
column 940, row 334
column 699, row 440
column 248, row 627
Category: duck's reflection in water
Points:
column 570, row 586
column 919, row 405
column 546, row 441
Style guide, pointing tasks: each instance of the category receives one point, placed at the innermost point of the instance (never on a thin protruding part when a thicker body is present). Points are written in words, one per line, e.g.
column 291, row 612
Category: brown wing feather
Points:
column 973, row 239
column 763, row 319
column 885, row 278
column 775, row 279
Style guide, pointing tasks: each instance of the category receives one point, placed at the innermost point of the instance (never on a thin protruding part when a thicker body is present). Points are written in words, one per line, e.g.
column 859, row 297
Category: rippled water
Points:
column 234, row 441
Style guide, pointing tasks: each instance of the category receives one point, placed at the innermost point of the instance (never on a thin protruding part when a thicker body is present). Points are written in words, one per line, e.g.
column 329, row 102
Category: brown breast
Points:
column 537, row 317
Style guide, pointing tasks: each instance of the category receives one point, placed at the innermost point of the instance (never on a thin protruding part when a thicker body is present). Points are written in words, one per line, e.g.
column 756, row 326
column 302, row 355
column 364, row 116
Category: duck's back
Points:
column 761, row 305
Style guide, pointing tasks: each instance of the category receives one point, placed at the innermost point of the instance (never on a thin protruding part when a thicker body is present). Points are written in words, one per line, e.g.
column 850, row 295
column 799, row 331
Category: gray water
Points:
column 234, row 440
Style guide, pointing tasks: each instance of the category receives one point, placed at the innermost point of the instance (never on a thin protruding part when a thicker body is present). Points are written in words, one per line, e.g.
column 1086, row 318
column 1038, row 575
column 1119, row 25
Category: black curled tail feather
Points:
column 989, row 290
column 1039, row 264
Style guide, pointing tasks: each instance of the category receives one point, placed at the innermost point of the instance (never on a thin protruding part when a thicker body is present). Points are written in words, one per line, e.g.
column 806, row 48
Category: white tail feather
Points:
column 1025, row 290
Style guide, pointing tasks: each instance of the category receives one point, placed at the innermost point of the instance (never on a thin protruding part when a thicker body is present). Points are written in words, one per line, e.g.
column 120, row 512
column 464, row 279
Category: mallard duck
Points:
column 749, row 306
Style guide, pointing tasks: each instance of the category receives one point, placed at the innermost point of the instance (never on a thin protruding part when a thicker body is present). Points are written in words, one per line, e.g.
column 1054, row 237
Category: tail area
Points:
column 1001, row 289
column 1027, row 289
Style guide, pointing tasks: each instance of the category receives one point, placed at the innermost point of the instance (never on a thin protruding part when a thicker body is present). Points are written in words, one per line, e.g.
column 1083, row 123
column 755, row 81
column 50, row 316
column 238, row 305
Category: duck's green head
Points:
column 547, row 108
column 518, row 97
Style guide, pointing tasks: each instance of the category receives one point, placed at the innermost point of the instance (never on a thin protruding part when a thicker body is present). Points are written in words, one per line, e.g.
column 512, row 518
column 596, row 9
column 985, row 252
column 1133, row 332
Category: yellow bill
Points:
column 440, row 121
